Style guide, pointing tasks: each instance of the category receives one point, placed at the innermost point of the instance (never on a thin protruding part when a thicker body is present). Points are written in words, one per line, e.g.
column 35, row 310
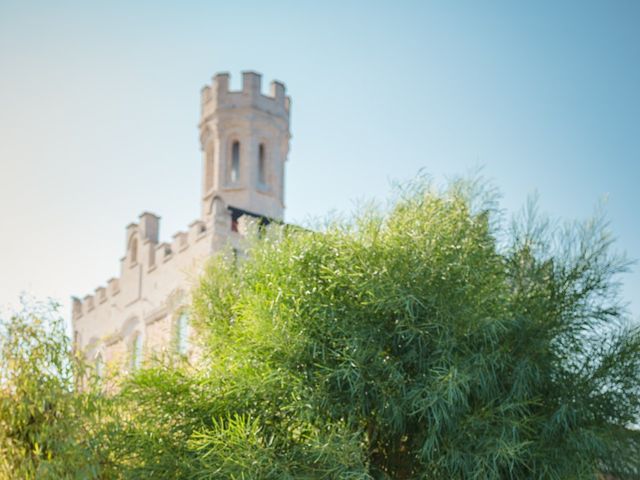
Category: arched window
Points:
column 136, row 352
column 133, row 251
column 182, row 333
column 99, row 366
column 262, row 166
column 235, row 161
column 208, row 167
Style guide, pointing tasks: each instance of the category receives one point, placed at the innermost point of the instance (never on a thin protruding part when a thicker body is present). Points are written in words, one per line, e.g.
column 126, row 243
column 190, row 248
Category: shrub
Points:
column 47, row 427
column 431, row 339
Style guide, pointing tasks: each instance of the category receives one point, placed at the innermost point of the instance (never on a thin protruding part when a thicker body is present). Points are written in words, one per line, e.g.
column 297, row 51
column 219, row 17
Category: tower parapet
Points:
column 217, row 96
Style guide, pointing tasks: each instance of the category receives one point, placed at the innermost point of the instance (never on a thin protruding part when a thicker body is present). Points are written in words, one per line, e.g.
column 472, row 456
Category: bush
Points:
column 46, row 424
column 424, row 341
column 430, row 340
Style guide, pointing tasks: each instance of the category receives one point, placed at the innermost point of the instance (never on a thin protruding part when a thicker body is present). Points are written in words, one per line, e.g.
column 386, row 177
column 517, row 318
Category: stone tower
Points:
column 244, row 137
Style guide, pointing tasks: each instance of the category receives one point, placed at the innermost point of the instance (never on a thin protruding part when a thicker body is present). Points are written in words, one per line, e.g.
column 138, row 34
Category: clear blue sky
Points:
column 99, row 103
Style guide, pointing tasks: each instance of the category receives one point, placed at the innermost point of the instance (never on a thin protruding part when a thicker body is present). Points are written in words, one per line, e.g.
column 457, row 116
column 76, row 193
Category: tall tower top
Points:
column 244, row 137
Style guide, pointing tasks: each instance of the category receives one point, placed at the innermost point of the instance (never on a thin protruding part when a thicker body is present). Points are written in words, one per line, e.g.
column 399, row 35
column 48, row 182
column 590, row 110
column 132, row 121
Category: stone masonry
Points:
column 244, row 137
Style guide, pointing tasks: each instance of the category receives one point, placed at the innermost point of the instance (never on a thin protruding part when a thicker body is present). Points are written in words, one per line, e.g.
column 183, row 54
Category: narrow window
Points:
column 182, row 334
column 208, row 171
column 235, row 161
column 136, row 352
column 100, row 366
column 133, row 254
column 262, row 168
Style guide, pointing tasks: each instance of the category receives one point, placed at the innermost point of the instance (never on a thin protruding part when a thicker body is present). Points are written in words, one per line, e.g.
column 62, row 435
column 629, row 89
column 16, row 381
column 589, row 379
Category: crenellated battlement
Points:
column 148, row 256
column 155, row 256
column 217, row 97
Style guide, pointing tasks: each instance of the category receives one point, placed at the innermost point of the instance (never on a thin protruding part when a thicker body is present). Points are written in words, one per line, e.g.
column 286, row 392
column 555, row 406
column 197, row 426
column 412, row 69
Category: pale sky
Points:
column 99, row 103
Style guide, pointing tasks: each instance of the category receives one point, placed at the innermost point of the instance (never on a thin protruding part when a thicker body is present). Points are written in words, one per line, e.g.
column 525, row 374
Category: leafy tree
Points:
column 46, row 425
column 425, row 341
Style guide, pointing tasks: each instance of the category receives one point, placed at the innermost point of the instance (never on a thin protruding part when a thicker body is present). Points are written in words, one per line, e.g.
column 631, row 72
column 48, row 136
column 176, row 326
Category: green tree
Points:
column 46, row 424
column 425, row 341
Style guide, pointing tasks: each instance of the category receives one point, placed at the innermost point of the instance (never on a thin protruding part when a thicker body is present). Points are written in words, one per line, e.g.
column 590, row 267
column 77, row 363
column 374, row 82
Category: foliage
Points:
column 433, row 347
column 177, row 422
column 422, row 341
column 46, row 426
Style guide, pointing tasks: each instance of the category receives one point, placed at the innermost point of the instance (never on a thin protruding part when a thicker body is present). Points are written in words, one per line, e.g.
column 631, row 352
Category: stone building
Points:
column 244, row 137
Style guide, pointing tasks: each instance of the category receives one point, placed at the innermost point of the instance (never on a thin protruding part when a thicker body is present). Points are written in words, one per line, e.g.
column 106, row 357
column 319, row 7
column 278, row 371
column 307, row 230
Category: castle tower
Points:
column 244, row 138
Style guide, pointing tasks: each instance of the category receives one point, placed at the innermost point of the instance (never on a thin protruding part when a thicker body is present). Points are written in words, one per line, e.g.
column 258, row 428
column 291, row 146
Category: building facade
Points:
column 244, row 137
